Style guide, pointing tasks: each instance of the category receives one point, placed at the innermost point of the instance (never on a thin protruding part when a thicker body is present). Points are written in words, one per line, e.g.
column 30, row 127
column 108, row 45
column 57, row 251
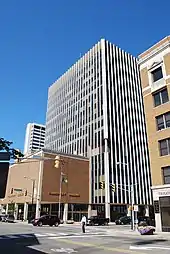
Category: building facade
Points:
column 96, row 109
column 33, row 186
column 34, row 138
column 155, row 77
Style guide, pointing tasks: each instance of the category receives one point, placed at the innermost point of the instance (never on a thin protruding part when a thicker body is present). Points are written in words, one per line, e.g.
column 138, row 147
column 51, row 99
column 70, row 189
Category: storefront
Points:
column 161, row 198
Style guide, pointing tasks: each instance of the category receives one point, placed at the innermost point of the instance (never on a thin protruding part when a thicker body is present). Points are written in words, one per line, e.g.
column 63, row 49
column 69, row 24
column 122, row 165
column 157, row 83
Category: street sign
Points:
column 4, row 156
column 135, row 208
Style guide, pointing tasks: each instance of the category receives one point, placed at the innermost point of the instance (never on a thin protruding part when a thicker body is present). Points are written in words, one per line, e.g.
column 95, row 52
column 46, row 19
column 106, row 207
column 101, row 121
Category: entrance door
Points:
column 165, row 213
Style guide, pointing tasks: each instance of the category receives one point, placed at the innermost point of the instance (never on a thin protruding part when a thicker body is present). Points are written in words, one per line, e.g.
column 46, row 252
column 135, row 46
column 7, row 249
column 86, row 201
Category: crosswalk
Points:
column 44, row 235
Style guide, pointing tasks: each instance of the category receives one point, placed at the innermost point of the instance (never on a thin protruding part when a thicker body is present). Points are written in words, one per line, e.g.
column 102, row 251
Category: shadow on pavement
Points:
column 19, row 245
column 150, row 241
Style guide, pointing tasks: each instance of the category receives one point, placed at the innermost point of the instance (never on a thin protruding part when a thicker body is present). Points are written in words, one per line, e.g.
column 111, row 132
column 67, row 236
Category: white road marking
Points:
column 149, row 247
column 51, row 234
column 73, row 236
column 63, row 250
column 39, row 235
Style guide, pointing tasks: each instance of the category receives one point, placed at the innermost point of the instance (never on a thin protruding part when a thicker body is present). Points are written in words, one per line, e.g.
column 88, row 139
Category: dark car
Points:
column 50, row 220
column 95, row 220
column 149, row 221
column 125, row 220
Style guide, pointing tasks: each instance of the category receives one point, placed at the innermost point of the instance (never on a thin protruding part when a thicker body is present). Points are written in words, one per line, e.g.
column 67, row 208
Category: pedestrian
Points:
column 83, row 223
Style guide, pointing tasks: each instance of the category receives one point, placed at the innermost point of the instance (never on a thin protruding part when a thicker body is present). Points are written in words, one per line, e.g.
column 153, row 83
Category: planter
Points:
column 146, row 230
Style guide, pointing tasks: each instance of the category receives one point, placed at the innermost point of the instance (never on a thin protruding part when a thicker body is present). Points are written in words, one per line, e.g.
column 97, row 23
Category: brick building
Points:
column 155, row 77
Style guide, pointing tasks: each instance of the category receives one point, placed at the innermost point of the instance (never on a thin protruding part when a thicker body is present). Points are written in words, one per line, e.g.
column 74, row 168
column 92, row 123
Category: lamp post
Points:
column 131, row 195
column 33, row 187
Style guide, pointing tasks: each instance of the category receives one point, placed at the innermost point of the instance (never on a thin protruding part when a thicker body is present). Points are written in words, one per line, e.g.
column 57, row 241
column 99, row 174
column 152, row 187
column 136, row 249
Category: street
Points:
column 24, row 238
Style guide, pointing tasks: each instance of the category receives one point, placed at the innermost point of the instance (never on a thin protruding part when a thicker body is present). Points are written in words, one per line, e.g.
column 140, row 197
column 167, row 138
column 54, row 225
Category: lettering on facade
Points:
column 74, row 195
column 57, row 194
column 164, row 193
column 64, row 194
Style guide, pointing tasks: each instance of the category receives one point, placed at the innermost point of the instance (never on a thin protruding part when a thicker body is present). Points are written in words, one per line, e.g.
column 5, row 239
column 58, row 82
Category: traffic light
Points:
column 113, row 186
column 57, row 161
column 102, row 185
column 64, row 179
column 18, row 155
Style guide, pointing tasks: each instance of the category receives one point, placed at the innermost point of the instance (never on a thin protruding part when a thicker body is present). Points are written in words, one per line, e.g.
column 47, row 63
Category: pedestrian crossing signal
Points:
column 102, row 185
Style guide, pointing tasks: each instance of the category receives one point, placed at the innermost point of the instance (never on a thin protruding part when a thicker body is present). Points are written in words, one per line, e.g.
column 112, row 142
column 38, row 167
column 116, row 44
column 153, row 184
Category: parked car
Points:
column 149, row 221
column 7, row 218
column 95, row 220
column 125, row 220
column 51, row 220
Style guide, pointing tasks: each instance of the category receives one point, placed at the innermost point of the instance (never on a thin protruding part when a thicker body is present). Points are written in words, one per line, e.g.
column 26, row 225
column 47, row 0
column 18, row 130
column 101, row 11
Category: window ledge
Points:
column 158, row 84
column 155, row 107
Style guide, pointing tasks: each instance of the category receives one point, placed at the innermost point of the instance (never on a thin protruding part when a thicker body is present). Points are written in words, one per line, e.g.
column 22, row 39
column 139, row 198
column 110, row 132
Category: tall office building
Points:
column 155, row 76
column 96, row 109
column 34, row 137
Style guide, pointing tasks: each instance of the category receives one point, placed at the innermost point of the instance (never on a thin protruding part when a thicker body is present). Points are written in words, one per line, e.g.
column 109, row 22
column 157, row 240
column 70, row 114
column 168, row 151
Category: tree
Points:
column 5, row 146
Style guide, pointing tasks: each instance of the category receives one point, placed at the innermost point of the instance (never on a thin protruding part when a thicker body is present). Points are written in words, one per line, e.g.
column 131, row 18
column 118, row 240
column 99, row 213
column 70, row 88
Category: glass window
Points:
column 163, row 121
column 160, row 97
column 157, row 99
column 166, row 175
column 160, row 123
column 157, row 74
column 167, row 119
column 164, row 95
column 164, row 147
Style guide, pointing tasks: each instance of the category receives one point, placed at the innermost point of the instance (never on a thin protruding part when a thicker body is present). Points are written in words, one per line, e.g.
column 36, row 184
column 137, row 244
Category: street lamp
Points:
column 57, row 165
column 131, row 195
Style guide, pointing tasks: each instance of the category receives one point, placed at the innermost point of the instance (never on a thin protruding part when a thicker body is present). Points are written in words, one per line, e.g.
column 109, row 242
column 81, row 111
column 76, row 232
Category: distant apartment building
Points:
column 155, row 77
column 96, row 109
column 34, row 138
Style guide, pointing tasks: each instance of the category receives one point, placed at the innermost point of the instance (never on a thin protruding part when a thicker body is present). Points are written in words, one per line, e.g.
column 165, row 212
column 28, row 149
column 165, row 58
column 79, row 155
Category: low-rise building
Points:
column 48, row 182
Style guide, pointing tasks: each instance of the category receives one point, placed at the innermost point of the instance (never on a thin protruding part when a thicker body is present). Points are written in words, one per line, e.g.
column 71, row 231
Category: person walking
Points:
column 83, row 223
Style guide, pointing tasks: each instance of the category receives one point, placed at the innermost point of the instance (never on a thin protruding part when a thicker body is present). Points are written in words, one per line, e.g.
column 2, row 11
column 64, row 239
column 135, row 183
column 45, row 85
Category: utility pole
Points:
column 131, row 198
column 132, row 204
column 33, row 187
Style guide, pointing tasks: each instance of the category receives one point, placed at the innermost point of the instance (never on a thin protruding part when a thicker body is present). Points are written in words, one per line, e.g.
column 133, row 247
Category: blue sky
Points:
column 40, row 39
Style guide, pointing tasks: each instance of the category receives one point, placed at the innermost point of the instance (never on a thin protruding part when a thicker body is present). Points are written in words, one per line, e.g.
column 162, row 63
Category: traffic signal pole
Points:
column 132, row 203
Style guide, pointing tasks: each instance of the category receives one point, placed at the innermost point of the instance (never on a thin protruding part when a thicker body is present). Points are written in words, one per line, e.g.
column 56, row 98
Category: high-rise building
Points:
column 34, row 137
column 96, row 109
column 155, row 76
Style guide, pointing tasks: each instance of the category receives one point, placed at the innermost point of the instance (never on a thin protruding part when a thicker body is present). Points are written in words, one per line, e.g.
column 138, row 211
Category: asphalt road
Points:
column 24, row 238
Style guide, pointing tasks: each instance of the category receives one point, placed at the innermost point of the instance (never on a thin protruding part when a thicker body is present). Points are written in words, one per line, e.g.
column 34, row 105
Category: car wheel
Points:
column 56, row 224
column 40, row 224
